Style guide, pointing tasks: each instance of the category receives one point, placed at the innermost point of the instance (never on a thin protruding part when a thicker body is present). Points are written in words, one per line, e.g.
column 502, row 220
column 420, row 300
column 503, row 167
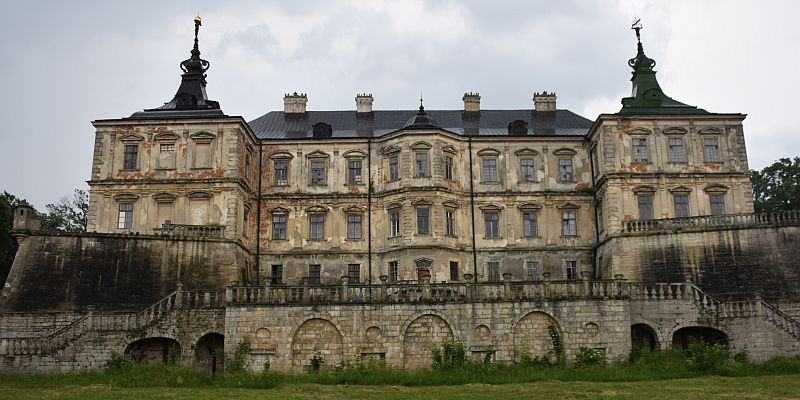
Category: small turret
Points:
column 25, row 221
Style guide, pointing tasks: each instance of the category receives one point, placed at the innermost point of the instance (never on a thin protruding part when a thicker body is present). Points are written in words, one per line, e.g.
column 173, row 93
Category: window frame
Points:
column 640, row 156
column 493, row 271
column 394, row 223
column 316, row 234
column 426, row 218
column 422, row 170
column 715, row 156
column 671, row 154
column 315, row 274
column 711, row 203
column 533, row 272
column 645, row 199
column 354, row 273
column 450, row 221
column 360, row 227
column 277, row 171
column 488, row 224
column 449, row 171
column 355, row 165
column 393, row 270
column 565, row 222
column 675, row 204
column 530, row 229
column 394, row 168
column 273, row 279
column 570, row 176
column 275, row 225
column 130, row 160
column 522, row 176
column 454, row 271
column 571, row 265
column 125, row 217
column 489, row 172
column 317, row 178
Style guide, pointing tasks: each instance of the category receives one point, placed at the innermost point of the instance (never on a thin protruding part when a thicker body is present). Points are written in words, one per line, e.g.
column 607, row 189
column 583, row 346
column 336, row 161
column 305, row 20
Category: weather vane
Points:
column 637, row 26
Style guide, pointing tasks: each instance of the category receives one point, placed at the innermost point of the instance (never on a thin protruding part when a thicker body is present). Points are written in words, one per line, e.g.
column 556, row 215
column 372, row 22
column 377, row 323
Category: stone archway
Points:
column 686, row 335
column 316, row 335
column 154, row 350
column 531, row 335
column 643, row 337
column 209, row 356
column 420, row 337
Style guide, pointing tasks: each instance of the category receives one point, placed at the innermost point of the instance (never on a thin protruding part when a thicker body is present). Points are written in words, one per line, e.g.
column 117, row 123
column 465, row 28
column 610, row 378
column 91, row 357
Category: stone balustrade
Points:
column 212, row 231
column 780, row 218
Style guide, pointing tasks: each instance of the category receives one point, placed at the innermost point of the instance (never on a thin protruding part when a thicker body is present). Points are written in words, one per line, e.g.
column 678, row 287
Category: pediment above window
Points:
column 530, row 206
column 564, row 152
column 675, row 130
column 680, row 190
column 421, row 203
column 316, row 209
column 711, row 131
column 569, row 206
column 129, row 138
column 421, row 146
column 450, row 204
column 526, row 152
column 317, row 154
column 489, row 207
column 716, row 188
column 449, row 149
column 203, row 137
column 390, row 150
column 353, row 209
column 488, row 152
column 644, row 189
column 638, row 131
column 164, row 197
column 199, row 194
column 281, row 155
column 354, row 154
column 279, row 210
column 166, row 137
column 126, row 197
column 394, row 206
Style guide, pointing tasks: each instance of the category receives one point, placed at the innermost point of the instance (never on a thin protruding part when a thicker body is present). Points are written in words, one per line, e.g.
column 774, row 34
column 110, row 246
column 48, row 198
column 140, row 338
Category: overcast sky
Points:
column 66, row 63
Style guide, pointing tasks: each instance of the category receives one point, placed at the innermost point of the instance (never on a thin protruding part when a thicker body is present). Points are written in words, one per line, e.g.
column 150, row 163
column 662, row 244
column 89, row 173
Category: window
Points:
column 454, row 271
column 645, row 203
column 595, row 163
column 717, row 202
column 277, row 275
column 245, row 221
column 125, row 220
column 526, row 170
column 529, row 223
column 281, row 173
column 354, row 227
column 131, row 156
column 600, row 222
column 423, row 214
column 640, row 154
column 393, row 172
column 565, row 170
column 532, row 271
column 421, row 163
column 393, row 271
column 248, row 157
column 278, row 226
column 493, row 271
column 448, row 168
column 354, row 172
column 676, row 151
column 490, row 170
column 394, row 223
column 491, row 221
column 450, row 217
column 318, row 172
column 354, row 272
column 317, row 226
column 166, row 156
column 572, row 269
column 711, row 146
column 681, row 202
column 569, row 225
column 202, row 154
column 314, row 273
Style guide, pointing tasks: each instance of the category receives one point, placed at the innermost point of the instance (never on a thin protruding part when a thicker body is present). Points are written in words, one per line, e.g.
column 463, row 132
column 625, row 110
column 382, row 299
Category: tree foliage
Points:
column 68, row 214
column 8, row 245
column 777, row 187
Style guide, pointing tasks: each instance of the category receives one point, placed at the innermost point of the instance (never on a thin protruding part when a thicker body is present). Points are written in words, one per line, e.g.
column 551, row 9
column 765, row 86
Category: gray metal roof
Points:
column 347, row 124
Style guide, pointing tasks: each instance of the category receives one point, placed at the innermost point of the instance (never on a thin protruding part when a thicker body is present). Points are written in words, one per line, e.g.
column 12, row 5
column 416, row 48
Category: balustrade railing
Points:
column 779, row 218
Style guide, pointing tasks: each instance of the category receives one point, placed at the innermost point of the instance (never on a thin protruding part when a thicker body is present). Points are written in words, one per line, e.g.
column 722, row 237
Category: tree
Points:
column 8, row 245
column 777, row 187
column 68, row 215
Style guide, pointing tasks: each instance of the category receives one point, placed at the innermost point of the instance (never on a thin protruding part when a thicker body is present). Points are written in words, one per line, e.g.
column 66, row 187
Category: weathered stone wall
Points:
column 403, row 334
column 729, row 262
column 115, row 272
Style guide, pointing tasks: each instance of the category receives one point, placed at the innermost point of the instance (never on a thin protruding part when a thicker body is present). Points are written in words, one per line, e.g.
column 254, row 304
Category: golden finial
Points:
column 198, row 20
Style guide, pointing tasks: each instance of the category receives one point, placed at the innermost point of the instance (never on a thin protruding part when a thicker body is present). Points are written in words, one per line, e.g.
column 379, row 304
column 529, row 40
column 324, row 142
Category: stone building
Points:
column 381, row 233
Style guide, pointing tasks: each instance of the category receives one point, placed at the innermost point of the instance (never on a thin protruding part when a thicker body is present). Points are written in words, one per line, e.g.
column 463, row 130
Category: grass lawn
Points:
column 709, row 387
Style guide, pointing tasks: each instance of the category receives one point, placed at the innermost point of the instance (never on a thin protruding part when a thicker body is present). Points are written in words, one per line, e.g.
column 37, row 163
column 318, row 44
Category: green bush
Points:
column 315, row 363
column 119, row 362
column 703, row 357
column 451, row 355
column 237, row 363
column 589, row 356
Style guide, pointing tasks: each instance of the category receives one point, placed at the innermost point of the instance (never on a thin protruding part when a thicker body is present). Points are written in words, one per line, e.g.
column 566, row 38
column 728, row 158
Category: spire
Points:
column 646, row 94
column 421, row 120
column 191, row 94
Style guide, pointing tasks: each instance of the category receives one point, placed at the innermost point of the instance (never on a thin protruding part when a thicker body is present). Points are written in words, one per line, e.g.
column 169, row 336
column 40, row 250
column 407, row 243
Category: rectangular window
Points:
column 318, row 172
column 676, row 151
column 167, row 147
column 490, row 170
column 491, row 221
column 529, row 223
column 493, row 271
column 454, row 271
column 600, row 221
column 279, row 227
column 354, row 272
column 711, row 146
column 277, row 275
column 248, row 171
column 354, row 227
column 569, row 225
column 354, row 172
column 281, row 173
column 393, row 271
column 317, row 226
column 532, row 271
column 450, row 217
column 565, row 170
column 422, row 220
column 526, row 170
column 422, row 164
column 448, row 168
column 131, row 156
column 394, row 225
column 645, row 203
column 245, row 221
column 314, row 274
column 166, row 156
column 394, row 174
column 640, row 154
column 572, row 269
column 717, row 204
column 681, row 205
column 202, row 155
column 595, row 163
column 125, row 220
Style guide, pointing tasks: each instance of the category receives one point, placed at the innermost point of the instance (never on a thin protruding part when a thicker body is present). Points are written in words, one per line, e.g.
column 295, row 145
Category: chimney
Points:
column 364, row 103
column 544, row 101
column 295, row 103
column 472, row 102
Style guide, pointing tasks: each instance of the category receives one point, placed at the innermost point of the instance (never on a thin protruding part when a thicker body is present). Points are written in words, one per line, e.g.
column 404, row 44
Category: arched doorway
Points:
column 531, row 335
column 643, row 337
column 209, row 356
column 316, row 335
column 154, row 350
column 685, row 336
column 422, row 335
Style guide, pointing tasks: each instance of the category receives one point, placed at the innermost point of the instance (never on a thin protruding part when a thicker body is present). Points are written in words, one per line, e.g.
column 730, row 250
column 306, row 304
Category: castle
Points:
column 382, row 233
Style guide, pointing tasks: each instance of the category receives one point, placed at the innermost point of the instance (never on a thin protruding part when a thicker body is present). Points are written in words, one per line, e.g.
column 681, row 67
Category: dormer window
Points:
column 518, row 128
column 322, row 130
